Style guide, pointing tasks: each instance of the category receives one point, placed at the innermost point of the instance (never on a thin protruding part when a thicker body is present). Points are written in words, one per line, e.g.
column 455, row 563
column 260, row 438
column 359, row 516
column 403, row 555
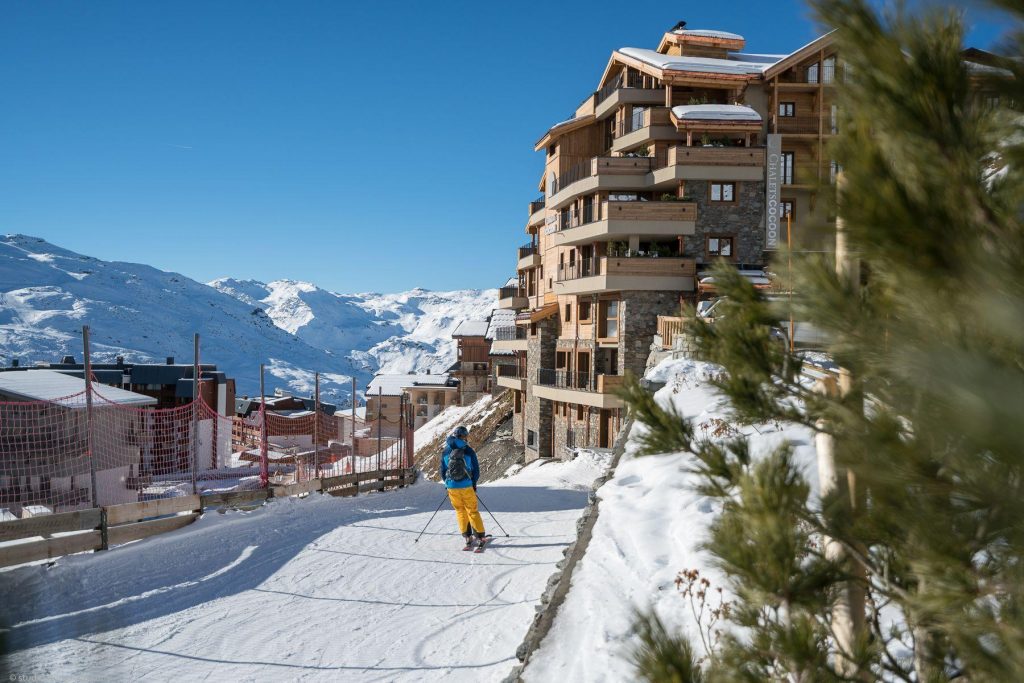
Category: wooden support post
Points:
column 103, row 529
column 87, row 366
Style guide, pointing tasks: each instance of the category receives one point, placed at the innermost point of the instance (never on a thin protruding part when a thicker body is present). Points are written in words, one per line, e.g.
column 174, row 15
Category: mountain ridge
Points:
column 296, row 328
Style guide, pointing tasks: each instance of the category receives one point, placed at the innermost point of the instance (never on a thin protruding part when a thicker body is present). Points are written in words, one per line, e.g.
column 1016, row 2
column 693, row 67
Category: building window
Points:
column 609, row 319
column 787, row 109
column 568, row 313
column 552, row 149
column 812, row 73
column 579, row 413
column 834, row 169
column 583, row 310
column 518, row 401
column 531, row 439
column 828, row 70
column 786, row 163
column 719, row 247
column 723, row 192
column 787, row 209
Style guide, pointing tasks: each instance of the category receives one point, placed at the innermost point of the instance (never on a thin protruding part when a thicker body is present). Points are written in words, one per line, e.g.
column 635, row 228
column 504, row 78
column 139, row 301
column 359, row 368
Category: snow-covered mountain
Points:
column 47, row 293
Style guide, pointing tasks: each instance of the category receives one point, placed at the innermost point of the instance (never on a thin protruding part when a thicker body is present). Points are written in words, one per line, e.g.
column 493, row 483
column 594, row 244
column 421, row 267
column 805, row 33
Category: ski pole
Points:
column 492, row 515
column 432, row 518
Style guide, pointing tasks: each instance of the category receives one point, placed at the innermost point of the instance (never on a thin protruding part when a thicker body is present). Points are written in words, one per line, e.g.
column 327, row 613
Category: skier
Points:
column 460, row 470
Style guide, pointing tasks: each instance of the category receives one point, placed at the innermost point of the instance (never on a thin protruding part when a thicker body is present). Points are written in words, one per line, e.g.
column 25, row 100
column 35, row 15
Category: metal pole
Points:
column 195, row 410
column 789, row 249
column 480, row 500
column 264, row 465
column 431, row 518
column 88, row 414
column 380, row 421
column 316, row 426
column 352, row 452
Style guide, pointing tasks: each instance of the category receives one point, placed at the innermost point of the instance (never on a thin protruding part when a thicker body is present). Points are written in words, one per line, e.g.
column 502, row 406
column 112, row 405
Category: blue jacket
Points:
column 472, row 464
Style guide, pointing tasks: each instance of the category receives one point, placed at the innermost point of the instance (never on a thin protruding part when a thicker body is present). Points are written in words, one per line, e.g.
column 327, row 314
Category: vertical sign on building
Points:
column 773, row 210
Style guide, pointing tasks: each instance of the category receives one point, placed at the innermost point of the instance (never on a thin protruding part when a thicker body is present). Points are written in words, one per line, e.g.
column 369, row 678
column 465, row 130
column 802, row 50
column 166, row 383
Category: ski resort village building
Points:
column 428, row 393
column 694, row 153
column 683, row 156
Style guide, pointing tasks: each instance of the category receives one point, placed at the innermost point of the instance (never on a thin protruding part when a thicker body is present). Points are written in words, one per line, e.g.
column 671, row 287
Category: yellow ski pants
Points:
column 466, row 512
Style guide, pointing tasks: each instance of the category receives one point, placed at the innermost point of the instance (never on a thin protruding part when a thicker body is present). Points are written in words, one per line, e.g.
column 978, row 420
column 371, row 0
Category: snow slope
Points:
column 47, row 293
column 317, row 589
column 651, row 526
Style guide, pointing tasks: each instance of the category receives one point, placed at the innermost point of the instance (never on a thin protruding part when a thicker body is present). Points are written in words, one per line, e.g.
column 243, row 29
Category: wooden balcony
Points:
column 654, row 123
column 579, row 388
column 616, row 220
column 616, row 273
column 513, row 298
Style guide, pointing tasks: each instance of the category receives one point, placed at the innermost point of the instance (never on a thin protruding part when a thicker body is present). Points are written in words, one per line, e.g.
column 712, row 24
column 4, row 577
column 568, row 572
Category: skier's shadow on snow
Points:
column 163, row 575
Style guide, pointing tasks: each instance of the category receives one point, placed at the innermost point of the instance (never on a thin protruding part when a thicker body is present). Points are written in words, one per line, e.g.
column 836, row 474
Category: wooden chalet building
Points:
column 684, row 155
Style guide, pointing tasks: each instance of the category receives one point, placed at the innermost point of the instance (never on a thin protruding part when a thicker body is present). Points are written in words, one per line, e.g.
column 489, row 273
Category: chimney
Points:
column 428, row 371
column 680, row 25
column 170, row 360
column 67, row 360
column 14, row 362
column 120, row 361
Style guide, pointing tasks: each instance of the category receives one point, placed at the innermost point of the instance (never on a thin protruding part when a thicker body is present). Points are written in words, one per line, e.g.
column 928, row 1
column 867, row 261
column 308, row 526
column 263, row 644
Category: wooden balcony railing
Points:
column 650, row 211
column 580, row 381
column 648, row 265
column 510, row 292
column 510, row 370
column 602, row 165
column 640, row 119
column 680, row 155
column 668, row 328
column 807, row 125
column 633, row 79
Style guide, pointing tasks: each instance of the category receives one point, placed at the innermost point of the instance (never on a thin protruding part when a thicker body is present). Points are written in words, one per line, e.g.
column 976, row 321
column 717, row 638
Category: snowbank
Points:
column 651, row 527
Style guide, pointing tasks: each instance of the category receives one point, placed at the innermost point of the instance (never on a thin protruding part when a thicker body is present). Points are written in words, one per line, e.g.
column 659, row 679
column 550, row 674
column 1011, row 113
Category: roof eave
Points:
column 794, row 58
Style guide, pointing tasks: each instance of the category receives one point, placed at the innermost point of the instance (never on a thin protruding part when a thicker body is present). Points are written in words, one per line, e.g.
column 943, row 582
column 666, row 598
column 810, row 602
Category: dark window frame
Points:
column 723, row 184
column 720, row 236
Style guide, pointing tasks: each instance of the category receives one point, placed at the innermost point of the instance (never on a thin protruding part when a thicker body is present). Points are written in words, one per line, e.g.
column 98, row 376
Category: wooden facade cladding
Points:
column 649, row 211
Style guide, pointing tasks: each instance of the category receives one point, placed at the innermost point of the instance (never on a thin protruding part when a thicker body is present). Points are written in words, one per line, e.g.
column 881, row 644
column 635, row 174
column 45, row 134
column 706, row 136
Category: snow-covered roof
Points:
column 715, row 112
column 500, row 352
column 293, row 414
column 393, row 385
column 500, row 317
column 471, row 328
column 975, row 67
column 707, row 33
column 50, row 385
column 711, row 65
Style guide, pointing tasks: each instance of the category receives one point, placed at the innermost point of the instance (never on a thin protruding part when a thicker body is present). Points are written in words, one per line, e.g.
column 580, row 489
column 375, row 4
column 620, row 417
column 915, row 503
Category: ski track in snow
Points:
column 317, row 589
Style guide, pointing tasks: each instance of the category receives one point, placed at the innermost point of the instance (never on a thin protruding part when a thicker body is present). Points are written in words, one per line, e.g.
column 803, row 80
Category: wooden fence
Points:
column 64, row 533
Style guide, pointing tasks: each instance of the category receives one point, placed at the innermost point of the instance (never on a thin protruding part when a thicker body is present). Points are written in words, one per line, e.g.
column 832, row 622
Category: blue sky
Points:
column 372, row 146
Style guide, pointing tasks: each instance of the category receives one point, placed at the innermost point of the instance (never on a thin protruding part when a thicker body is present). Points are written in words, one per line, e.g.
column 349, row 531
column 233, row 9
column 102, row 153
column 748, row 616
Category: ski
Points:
column 483, row 541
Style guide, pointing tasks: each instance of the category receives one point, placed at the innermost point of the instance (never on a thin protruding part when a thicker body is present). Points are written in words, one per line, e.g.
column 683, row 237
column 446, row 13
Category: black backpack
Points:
column 457, row 465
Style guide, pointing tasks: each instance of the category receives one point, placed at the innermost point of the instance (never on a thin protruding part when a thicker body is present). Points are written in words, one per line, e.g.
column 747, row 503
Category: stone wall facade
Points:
column 742, row 219
column 638, row 323
column 537, row 411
